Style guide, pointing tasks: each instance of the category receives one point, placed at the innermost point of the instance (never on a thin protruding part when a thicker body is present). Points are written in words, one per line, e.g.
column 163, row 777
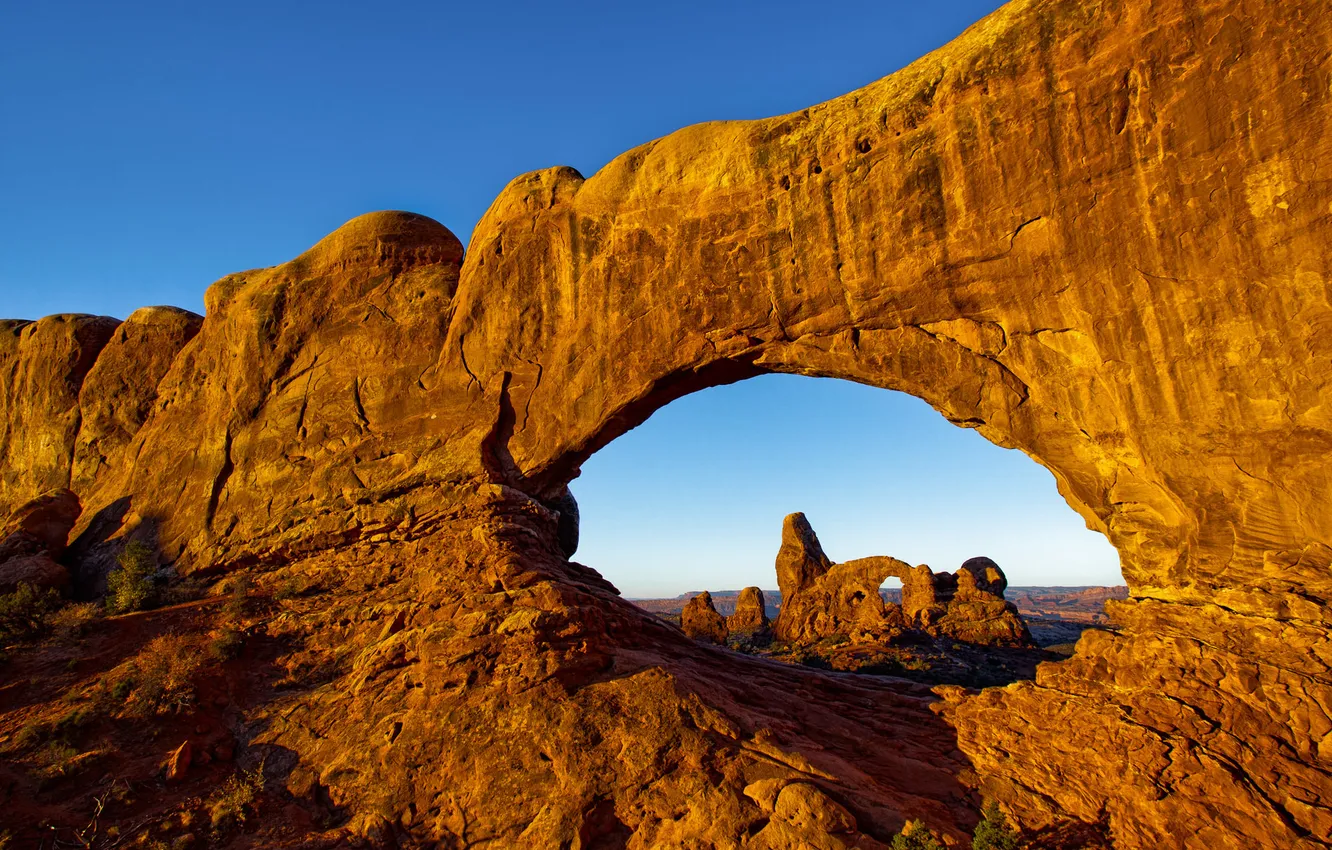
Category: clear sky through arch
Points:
column 693, row 499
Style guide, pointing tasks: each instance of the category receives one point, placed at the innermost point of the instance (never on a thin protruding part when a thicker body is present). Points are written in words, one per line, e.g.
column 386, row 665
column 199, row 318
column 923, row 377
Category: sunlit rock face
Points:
column 821, row 599
column 1094, row 232
column 700, row 620
column 751, row 615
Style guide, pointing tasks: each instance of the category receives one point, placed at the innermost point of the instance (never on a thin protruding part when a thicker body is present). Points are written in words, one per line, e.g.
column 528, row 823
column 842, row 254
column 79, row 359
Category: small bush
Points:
column 294, row 586
column 227, row 645
column 810, row 659
column 76, row 619
column 120, row 691
column 73, row 721
column 63, row 730
column 58, row 760
column 130, row 586
column 993, row 832
column 915, row 836
column 32, row 732
column 238, row 602
column 228, row 806
column 179, row 591
column 26, row 613
column 161, row 676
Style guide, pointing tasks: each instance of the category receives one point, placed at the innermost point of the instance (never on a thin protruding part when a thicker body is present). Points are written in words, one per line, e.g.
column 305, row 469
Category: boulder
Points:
column 751, row 614
column 700, row 619
column 38, row 570
column 806, row 806
column 178, row 763
column 41, row 524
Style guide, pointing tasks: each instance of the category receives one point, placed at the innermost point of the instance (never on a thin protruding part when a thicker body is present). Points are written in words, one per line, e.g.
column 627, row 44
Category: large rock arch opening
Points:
column 694, row 497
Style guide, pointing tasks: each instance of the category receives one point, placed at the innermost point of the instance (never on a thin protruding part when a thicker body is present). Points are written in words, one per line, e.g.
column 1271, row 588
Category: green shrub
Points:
column 811, row 659
column 227, row 645
column 915, row 836
column 229, row 805
column 130, row 586
column 161, row 676
column 238, row 600
column 993, row 832
column 64, row 730
column 57, row 760
column 74, row 620
column 26, row 613
column 294, row 586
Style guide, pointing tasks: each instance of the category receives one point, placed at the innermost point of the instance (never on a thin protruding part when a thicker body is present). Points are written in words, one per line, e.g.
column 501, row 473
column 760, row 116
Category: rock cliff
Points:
column 1094, row 232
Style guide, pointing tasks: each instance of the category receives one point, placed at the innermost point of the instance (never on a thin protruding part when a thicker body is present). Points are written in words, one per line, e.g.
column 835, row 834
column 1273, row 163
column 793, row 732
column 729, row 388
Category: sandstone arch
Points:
column 821, row 599
column 1093, row 232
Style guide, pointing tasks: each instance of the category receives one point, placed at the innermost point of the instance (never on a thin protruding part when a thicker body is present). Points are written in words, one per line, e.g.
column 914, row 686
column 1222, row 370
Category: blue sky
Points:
column 694, row 498
column 150, row 148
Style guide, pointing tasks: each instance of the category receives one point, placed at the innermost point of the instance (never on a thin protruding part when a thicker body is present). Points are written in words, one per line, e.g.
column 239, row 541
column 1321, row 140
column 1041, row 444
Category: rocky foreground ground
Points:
column 1096, row 232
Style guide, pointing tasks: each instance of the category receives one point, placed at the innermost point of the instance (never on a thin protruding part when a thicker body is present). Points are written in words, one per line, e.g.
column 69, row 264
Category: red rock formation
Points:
column 751, row 614
column 33, row 537
column 1093, row 232
column 38, row 570
column 41, row 524
column 977, row 611
column 701, row 621
column 43, row 364
column 120, row 389
column 821, row 599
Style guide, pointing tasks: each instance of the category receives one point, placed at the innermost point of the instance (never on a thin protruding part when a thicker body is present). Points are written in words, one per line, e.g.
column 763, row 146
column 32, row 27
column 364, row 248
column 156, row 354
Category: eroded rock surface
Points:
column 120, row 389
column 1093, row 232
